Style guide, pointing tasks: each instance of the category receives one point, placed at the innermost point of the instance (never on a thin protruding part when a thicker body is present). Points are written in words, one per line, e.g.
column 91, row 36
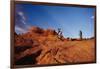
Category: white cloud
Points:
column 23, row 19
column 23, row 22
column 22, row 15
column 19, row 29
column 92, row 17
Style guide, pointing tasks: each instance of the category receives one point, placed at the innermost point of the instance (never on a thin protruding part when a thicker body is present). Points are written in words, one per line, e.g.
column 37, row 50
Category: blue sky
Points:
column 70, row 19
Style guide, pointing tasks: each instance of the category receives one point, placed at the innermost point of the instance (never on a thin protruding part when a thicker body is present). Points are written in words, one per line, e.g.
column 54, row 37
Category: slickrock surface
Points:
column 40, row 46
